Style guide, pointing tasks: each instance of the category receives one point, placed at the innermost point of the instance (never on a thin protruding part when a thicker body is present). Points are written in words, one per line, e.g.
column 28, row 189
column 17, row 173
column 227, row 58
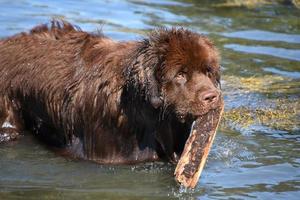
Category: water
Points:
column 256, row 153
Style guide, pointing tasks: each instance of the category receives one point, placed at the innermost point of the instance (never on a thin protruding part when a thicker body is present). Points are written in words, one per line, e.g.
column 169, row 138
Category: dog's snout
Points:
column 209, row 97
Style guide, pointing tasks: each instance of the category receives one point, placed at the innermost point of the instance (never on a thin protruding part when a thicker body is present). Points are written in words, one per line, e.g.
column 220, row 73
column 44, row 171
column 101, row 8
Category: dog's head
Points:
column 185, row 75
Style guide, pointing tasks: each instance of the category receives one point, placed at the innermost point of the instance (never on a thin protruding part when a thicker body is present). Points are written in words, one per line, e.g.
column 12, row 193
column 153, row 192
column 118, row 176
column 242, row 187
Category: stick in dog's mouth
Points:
column 197, row 147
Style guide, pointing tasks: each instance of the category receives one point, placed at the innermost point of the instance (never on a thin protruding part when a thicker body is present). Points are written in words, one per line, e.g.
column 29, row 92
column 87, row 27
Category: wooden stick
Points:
column 197, row 147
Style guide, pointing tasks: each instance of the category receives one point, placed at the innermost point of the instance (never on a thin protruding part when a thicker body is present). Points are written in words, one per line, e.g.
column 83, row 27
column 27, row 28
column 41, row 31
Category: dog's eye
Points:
column 181, row 77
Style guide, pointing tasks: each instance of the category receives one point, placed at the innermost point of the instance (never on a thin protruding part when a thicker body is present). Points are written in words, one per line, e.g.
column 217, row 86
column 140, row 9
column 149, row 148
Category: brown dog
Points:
column 107, row 101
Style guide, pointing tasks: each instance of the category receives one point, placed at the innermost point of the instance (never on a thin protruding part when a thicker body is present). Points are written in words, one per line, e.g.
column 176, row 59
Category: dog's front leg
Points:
column 9, row 130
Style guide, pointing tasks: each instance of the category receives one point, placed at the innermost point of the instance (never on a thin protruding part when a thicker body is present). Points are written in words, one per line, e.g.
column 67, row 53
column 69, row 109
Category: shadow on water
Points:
column 256, row 152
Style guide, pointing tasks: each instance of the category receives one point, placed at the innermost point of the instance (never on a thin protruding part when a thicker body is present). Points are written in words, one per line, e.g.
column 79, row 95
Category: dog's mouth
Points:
column 185, row 116
column 191, row 117
column 197, row 145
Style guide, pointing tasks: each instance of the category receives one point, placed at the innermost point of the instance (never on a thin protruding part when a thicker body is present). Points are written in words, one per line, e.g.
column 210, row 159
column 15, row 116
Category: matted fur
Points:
column 102, row 100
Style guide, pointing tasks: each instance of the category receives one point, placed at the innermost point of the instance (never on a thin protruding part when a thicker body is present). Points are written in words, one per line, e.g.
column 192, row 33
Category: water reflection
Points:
column 264, row 36
column 295, row 75
column 292, row 54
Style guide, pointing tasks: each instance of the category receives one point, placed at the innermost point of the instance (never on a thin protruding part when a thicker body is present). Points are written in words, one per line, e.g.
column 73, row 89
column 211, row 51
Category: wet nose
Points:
column 209, row 97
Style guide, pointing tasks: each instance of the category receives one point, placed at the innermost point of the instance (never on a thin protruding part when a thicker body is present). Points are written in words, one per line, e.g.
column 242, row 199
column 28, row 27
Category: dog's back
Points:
column 44, row 74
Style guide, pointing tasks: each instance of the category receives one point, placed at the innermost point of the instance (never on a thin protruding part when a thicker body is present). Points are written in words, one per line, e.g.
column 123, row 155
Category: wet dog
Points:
column 103, row 100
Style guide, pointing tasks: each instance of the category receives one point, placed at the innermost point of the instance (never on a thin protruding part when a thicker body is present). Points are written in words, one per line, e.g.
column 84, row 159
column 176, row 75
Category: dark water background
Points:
column 256, row 153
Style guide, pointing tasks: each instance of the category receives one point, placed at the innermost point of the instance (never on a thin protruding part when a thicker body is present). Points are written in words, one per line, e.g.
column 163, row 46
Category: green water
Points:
column 256, row 154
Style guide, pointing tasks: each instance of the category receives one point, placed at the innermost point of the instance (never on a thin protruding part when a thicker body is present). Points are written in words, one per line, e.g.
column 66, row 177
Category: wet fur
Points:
column 102, row 100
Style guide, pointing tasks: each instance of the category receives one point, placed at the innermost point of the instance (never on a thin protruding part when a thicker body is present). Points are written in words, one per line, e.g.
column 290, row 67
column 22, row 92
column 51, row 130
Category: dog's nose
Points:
column 209, row 97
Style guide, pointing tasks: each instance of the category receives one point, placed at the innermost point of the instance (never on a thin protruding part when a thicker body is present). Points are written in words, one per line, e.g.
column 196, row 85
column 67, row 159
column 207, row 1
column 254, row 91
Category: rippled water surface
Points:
column 256, row 153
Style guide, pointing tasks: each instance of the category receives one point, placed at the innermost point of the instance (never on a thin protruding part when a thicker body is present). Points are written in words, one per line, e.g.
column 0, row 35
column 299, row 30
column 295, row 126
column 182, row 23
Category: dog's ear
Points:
column 141, row 74
column 154, row 92
column 152, row 85
column 157, row 45
column 149, row 60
